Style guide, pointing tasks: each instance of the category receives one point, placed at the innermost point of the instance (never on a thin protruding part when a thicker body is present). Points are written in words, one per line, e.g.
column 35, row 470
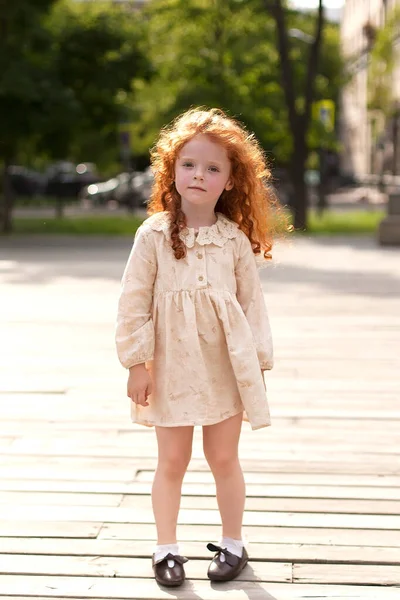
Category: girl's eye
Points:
column 187, row 164
column 214, row 169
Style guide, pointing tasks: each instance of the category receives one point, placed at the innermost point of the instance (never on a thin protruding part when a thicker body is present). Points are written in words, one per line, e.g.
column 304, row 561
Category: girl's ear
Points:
column 229, row 185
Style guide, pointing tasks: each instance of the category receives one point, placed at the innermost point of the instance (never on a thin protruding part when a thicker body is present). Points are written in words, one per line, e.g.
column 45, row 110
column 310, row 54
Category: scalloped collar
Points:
column 219, row 233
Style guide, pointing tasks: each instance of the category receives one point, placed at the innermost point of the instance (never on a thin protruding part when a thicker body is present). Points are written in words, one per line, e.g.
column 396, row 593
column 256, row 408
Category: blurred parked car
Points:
column 102, row 192
column 66, row 180
column 62, row 179
column 126, row 189
column 26, row 182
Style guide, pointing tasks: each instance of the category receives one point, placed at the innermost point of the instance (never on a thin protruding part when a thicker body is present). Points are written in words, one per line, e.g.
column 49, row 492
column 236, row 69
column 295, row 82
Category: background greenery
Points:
column 331, row 223
column 84, row 68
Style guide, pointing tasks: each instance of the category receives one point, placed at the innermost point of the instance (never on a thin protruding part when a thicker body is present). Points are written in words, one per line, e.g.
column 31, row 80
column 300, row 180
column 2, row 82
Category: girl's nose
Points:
column 199, row 174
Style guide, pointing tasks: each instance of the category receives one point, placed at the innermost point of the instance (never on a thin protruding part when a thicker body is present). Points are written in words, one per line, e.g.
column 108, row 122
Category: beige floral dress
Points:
column 199, row 323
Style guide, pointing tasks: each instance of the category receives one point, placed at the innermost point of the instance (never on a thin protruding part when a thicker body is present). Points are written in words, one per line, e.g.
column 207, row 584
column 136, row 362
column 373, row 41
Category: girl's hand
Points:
column 139, row 384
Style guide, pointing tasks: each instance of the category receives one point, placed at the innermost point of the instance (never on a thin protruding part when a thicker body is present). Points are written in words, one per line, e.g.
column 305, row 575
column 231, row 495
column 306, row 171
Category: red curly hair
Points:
column 249, row 203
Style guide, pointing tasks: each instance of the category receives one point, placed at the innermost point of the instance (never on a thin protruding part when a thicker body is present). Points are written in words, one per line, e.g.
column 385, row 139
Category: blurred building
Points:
column 362, row 152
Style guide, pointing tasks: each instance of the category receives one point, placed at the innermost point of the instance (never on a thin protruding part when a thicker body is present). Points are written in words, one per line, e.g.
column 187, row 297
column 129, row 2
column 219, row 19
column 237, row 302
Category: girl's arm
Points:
column 135, row 330
column 251, row 299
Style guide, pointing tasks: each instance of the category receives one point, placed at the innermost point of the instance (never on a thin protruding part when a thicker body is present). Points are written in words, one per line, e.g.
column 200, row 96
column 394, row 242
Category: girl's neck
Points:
column 198, row 216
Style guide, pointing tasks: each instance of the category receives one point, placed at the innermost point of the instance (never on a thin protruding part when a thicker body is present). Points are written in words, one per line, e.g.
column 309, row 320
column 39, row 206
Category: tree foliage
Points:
column 24, row 75
column 224, row 53
column 97, row 55
column 65, row 74
column 82, row 67
column 24, row 85
column 210, row 52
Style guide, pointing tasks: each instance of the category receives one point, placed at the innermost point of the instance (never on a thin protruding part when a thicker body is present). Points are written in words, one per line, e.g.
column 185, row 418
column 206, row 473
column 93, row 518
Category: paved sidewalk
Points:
column 322, row 515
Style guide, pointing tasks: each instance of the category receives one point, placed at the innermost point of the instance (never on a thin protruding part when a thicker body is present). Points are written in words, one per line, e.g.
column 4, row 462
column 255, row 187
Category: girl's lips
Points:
column 194, row 187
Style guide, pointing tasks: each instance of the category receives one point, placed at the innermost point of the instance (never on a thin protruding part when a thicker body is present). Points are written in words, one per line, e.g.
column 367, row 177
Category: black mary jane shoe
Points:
column 170, row 576
column 230, row 568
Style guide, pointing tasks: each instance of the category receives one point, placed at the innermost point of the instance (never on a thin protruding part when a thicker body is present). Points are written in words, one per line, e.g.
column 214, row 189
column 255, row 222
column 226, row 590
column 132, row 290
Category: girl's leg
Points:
column 220, row 442
column 174, row 452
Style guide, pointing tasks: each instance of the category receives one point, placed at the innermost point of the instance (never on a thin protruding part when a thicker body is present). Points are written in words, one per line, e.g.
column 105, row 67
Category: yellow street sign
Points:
column 324, row 111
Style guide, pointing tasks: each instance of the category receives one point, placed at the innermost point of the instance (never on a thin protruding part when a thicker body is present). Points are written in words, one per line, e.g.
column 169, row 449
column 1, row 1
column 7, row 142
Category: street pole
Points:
column 126, row 159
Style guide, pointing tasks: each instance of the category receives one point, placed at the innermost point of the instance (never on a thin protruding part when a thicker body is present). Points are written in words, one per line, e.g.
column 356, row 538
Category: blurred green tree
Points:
column 24, row 85
column 213, row 53
column 298, row 100
column 64, row 91
column 224, row 53
column 97, row 55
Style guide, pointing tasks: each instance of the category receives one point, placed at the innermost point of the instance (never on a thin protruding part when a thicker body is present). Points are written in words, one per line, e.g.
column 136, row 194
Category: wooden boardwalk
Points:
column 323, row 508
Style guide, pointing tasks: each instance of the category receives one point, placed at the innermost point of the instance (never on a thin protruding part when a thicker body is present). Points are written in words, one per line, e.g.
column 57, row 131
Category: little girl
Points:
column 192, row 325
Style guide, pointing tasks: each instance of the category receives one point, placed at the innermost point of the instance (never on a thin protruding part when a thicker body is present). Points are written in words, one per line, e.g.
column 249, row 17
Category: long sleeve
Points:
column 135, row 330
column 251, row 298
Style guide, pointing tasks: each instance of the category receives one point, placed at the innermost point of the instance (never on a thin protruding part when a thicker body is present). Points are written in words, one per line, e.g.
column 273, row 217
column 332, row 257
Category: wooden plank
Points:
column 45, row 426
column 332, row 437
column 304, row 423
column 257, row 551
column 95, row 566
column 287, row 491
column 292, row 535
column 320, row 479
column 109, row 588
column 357, row 401
column 340, row 385
column 196, row 517
column 49, row 447
column 63, row 499
column 312, row 407
column 318, row 412
column 297, row 441
column 104, row 566
column 318, row 505
column 65, row 486
column 52, row 472
column 11, row 403
column 279, row 442
column 6, row 441
column 122, row 468
column 256, row 491
column 347, row 574
column 380, row 466
column 49, row 529
column 45, row 446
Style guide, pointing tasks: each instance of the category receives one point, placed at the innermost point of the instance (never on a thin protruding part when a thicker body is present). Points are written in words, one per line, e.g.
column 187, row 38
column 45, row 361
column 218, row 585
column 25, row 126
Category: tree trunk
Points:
column 300, row 194
column 7, row 199
column 323, row 183
column 60, row 202
column 299, row 121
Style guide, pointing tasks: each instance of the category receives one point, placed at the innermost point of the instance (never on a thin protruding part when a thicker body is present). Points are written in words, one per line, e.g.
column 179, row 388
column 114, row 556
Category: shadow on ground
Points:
column 41, row 261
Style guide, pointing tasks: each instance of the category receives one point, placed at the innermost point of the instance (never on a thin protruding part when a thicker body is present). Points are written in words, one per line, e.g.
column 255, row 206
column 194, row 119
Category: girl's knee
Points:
column 174, row 450
column 222, row 461
column 174, row 466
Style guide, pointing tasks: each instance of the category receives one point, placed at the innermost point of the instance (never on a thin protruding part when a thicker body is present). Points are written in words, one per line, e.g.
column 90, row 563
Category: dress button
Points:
column 199, row 255
column 201, row 278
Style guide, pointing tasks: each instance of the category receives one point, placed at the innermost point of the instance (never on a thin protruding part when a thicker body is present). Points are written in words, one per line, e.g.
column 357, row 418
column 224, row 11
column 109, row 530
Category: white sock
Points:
column 234, row 546
column 161, row 551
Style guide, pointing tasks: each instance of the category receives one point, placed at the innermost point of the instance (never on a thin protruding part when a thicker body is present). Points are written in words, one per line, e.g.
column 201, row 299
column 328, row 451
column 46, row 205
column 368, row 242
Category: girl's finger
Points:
column 142, row 399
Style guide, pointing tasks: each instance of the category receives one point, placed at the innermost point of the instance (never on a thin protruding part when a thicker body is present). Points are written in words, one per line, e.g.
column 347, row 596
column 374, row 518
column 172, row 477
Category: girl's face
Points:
column 202, row 172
